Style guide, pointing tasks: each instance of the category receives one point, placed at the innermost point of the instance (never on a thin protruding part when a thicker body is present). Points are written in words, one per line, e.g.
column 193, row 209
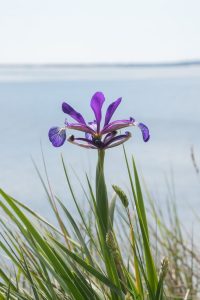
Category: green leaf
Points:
column 112, row 209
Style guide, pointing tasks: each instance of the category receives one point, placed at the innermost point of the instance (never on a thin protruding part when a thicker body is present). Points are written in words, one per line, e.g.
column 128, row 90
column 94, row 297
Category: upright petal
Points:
column 92, row 125
column 111, row 109
column 88, row 136
column 73, row 113
column 57, row 136
column 96, row 105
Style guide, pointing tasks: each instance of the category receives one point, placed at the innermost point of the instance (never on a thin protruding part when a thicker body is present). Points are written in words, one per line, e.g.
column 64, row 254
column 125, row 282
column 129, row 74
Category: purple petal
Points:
column 95, row 142
column 57, row 136
column 92, row 125
column 109, row 136
column 111, row 109
column 96, row 105
column 118, row 140
column 79, row 127
column 85, row 143
column 145, row 131
column 88, row 136
column 73, row 113
column 118, row 124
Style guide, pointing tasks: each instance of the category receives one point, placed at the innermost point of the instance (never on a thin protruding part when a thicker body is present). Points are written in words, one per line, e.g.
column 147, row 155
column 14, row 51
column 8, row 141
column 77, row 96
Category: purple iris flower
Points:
column 95, row 136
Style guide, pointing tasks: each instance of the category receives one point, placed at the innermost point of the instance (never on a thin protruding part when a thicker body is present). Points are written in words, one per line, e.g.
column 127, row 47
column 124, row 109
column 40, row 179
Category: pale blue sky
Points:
column 42, row 31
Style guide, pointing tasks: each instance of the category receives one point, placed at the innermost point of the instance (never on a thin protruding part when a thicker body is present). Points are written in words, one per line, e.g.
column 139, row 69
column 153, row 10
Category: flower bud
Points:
column 122, row 196
column 110, row 240
column 164, row 267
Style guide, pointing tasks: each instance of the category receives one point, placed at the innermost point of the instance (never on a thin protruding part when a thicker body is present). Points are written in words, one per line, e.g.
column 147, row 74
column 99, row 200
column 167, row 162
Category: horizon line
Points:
column 103, row 64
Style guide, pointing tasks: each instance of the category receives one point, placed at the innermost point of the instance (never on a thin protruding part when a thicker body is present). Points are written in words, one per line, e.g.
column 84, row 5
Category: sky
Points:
column 90, row 31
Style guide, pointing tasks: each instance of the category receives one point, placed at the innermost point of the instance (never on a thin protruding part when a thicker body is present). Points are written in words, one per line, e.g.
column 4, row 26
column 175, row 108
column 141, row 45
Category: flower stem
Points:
column 101, row 193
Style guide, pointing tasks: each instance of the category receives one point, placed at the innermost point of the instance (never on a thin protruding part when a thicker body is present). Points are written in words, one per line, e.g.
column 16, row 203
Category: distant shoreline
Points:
column 102, row 65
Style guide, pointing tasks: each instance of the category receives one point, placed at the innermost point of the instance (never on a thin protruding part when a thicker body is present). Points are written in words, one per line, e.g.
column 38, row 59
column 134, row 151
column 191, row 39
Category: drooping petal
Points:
column 73, row 113
column 95, row 142
column 118, row 140
column 85, row 143
column 109, row 136
column 79, row 127
column 57, row 136
column 111, row 109
column 116, row 125
column 96, row 105
column 145, row 131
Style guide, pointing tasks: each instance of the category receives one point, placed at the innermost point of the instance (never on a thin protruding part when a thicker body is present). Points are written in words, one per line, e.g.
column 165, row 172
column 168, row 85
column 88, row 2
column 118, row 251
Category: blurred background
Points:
column 146, row 52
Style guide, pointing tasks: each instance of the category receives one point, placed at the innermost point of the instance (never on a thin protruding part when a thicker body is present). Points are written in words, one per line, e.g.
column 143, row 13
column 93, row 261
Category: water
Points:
column 166, row 99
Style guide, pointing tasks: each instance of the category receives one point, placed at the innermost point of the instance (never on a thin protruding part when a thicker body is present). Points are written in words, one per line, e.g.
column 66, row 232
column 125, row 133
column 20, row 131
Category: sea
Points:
column 165, row 98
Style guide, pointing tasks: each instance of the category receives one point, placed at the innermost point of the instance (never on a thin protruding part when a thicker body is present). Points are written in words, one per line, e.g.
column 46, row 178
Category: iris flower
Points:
column 96, row 137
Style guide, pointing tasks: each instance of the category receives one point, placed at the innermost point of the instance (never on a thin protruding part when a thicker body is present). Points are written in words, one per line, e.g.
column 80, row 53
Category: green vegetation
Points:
column 112, row 251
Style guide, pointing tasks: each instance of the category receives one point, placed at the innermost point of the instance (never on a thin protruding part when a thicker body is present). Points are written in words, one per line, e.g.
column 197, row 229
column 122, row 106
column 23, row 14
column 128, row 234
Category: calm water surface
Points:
column 166, row 99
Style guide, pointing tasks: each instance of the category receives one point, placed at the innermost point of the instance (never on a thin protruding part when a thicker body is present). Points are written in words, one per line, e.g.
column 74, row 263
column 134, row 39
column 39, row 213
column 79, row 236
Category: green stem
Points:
column 102, row 212
column 101, row 193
